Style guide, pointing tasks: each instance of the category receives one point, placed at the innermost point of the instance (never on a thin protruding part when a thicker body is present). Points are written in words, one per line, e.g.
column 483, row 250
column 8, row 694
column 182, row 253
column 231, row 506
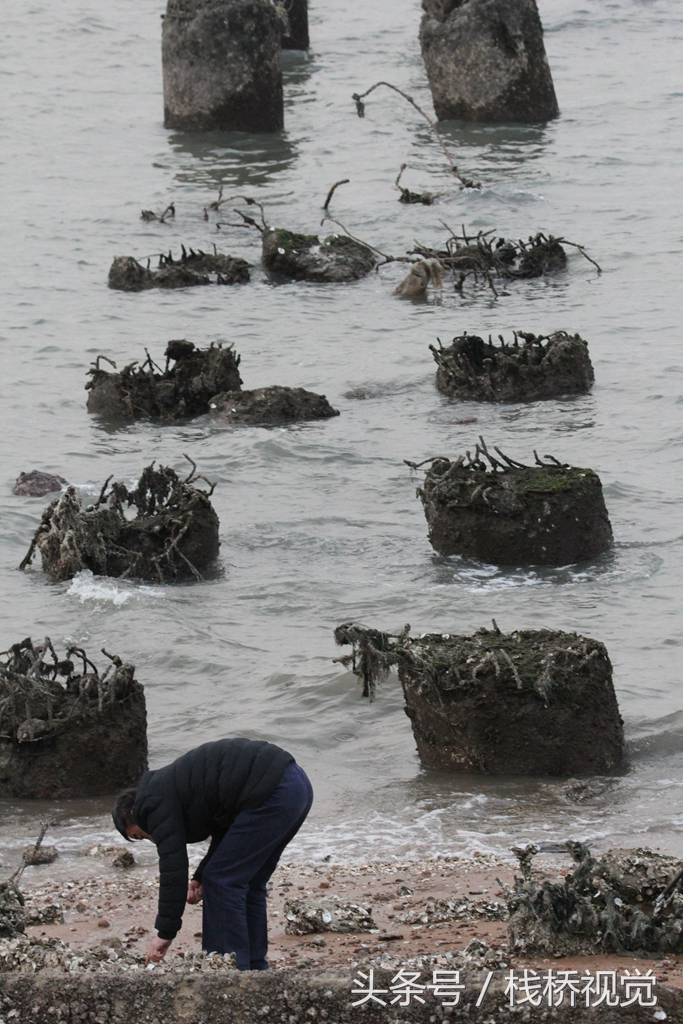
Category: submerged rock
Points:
column 504, row 513
column 36, row 484
column 67, row 730
column 308, row 258
column 192, row 268
column 272, row 406
column 624, row 901
column 173, row 534
column 183, row 389
column 532, row 702
column 306, row 916
column 221, row 66
column 486, row 61
column 296, row 34
column 532, row 367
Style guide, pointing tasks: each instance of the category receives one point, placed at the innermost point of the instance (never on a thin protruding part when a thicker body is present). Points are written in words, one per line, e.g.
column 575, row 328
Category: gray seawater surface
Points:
column 320, row 523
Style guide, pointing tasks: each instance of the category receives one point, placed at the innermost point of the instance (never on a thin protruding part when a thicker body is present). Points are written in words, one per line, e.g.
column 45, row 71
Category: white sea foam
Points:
column 88, row 587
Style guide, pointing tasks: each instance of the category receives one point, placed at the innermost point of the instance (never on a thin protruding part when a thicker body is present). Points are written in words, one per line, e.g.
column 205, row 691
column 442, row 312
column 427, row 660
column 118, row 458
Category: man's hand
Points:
column 157, row 950
column 195, row 891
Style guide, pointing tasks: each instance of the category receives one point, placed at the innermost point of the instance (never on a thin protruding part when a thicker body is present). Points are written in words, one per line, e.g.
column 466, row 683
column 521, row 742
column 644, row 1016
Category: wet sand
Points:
column 117, row 908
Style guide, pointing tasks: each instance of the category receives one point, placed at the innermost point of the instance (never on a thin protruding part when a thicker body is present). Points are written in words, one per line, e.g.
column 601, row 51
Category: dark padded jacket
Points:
column 198, row 796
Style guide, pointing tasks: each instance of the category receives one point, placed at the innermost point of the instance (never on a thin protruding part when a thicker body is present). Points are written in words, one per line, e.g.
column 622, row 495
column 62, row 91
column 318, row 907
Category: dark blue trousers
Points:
column 234, row 879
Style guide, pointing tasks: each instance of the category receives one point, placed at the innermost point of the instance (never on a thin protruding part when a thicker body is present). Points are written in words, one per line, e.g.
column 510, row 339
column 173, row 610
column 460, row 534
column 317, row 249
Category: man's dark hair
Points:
column 123, row 811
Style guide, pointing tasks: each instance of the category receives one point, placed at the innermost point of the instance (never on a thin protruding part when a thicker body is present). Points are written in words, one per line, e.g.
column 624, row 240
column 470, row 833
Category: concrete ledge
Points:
column 281, row 997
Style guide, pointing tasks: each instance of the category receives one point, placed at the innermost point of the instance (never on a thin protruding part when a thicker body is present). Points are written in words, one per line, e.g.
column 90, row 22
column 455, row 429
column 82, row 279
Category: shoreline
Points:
column 113, row 911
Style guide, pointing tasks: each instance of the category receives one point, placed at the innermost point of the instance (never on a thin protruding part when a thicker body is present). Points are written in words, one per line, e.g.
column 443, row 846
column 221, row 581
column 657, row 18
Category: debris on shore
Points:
column 182, row 389
column 22, row 954
column 128, row 274
column 67, row 730
column 173, row 534
column 530, row 702
column 328, row 914
column 624, row 900
column 503, row 512
column 528, row 368
column 12, row 911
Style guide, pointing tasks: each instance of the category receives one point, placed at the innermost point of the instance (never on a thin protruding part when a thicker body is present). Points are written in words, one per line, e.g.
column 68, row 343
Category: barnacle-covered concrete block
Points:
column 486, row 61
column 271, row 406
column 529, row 368
column 221, row 66
column 66, row 728
column 532, row 702
column 172, row 535
column 502, row 512
column 182, row 389
column 337, row 258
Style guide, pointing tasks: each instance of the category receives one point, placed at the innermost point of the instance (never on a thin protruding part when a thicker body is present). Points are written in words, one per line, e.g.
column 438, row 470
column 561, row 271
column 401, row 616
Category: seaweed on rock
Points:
column 172, row 535
column 182, row 389
column 623, row 901
column 67, row 729
column 503, row 512
column 531, row 702
column 529, row 368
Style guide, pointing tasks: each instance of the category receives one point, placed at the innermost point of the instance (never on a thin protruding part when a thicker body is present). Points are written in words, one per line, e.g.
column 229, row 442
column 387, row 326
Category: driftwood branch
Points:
column 360, row 110
column 343, row 181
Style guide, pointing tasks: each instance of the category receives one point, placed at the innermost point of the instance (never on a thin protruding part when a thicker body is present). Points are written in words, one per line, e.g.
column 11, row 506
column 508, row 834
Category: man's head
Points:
column 123, row 816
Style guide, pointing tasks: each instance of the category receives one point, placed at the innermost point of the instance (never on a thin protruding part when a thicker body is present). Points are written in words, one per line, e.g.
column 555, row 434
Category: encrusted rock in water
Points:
column 221, row 66
column 489, row 257
column 499, row 511
column 37, row 856
column 532, row 702
column 530, row 368
column 486, row 61
column 172, row 536
column 626, row 900
column 67, row 730
column 12, row 912
column 36, row 484
column 306, row 916
column 308, row 258
column 296, row 34
column 190, row 378
column 271, row 406
column 191, row 268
